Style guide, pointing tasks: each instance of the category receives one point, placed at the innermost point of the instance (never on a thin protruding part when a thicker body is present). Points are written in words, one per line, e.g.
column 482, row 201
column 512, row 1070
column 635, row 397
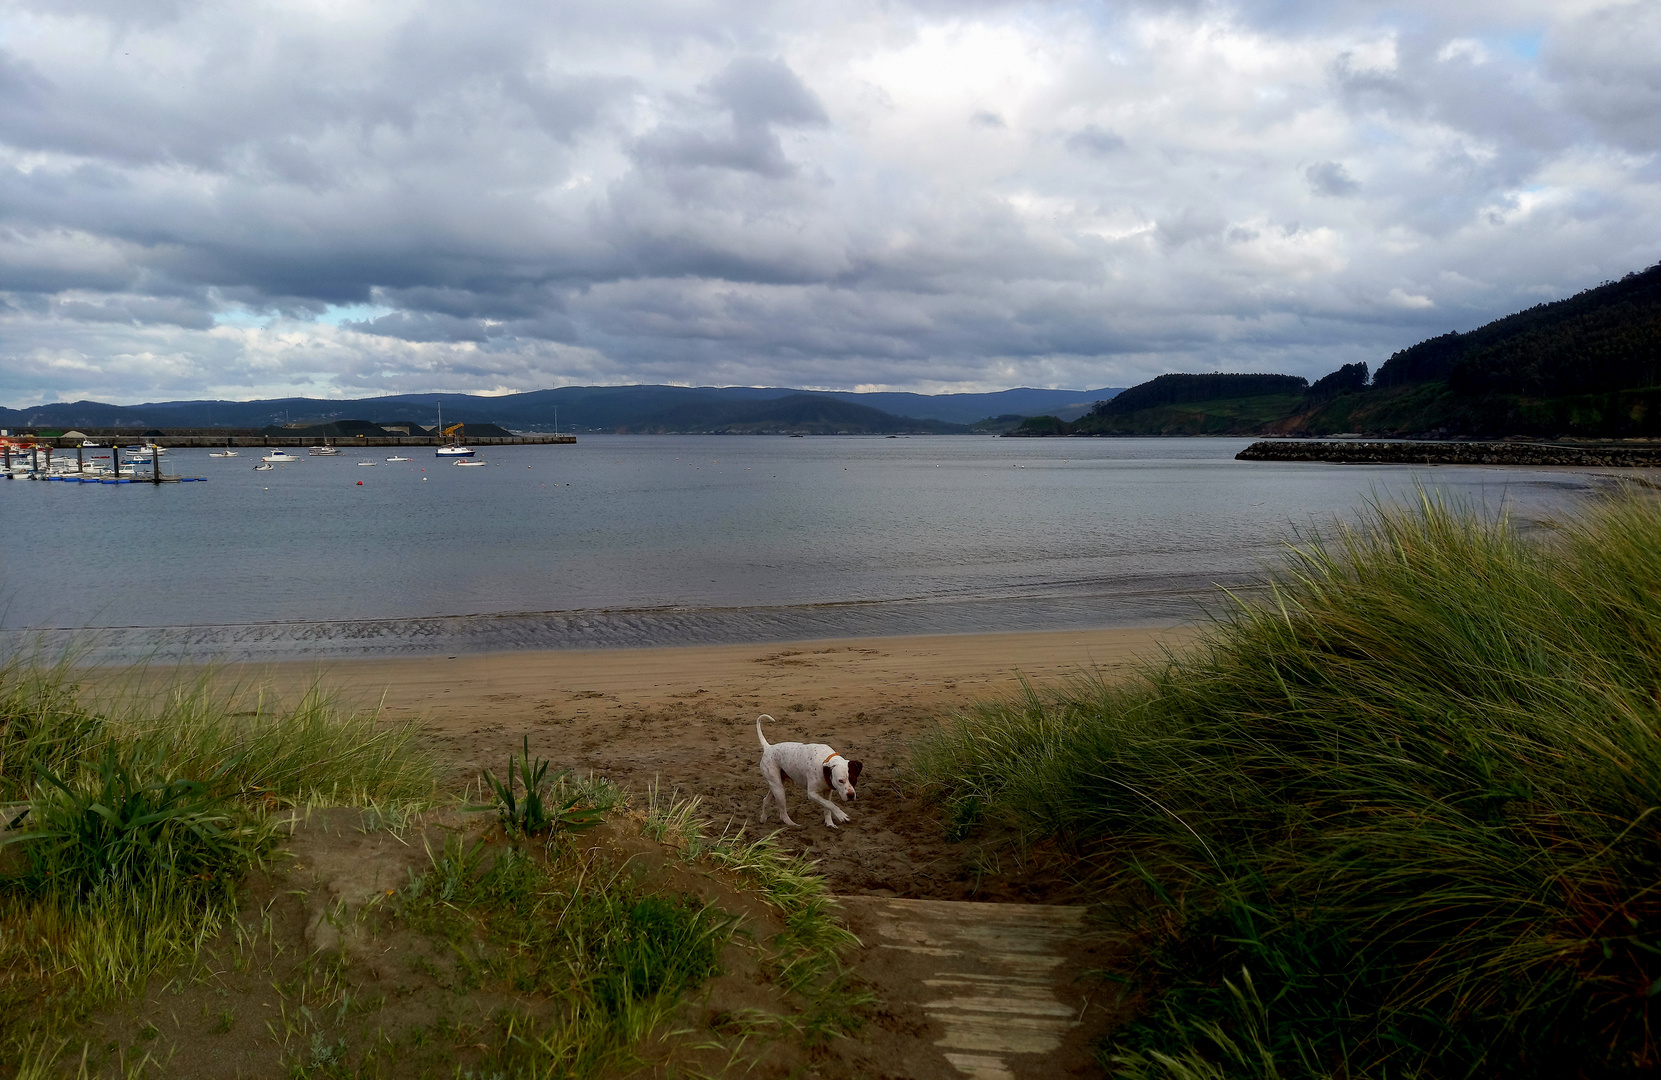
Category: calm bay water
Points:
column 646, row 540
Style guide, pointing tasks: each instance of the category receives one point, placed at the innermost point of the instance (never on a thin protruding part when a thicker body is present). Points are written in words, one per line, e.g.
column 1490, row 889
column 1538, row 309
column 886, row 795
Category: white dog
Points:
column 818, row 768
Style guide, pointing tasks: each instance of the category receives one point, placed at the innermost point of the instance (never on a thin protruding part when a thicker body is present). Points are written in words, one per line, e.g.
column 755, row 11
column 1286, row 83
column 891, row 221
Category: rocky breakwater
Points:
column 1358, row 452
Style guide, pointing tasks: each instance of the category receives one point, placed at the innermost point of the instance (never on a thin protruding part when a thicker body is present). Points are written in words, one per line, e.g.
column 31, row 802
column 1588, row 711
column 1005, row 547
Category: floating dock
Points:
column 243, row 438
column 37, row 465
column 67, row 479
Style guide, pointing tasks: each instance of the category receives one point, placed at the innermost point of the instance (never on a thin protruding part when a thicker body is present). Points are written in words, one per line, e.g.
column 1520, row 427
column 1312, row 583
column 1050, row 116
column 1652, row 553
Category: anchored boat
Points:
column 454, row 449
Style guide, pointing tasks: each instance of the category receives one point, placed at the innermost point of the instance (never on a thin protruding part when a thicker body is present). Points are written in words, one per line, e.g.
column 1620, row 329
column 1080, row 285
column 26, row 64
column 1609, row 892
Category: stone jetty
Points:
column 1415, row 452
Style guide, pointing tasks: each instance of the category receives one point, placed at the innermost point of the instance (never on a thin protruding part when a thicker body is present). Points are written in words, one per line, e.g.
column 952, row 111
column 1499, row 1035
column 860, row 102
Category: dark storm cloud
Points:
column 358, row 196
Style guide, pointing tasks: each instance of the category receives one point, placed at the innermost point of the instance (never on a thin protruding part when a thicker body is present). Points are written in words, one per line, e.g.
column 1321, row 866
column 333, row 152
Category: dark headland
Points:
column 1587, row 368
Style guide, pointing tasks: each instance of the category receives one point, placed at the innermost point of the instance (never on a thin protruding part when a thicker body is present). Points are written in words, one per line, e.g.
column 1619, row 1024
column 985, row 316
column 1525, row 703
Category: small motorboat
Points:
column 325, row 450
column 279, row 456
column 397, row 458
column 460, row 463
column 264, row 467
column 371, row 464
column 223, row 453
column 455, row 451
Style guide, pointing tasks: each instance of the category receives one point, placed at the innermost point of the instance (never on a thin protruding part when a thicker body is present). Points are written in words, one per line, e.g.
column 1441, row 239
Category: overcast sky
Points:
column 344, row 197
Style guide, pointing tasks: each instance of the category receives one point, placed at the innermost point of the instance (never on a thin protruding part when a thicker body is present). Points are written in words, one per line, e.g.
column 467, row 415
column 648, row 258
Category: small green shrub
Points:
column 560, row 809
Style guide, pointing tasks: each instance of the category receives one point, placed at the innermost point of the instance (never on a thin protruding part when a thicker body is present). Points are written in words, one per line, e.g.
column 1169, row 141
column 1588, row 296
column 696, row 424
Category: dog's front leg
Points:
column 833, row 812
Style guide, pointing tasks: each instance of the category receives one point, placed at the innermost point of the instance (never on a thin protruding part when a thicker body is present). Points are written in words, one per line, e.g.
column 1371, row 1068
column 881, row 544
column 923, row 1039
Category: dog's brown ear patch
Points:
column 854, row 768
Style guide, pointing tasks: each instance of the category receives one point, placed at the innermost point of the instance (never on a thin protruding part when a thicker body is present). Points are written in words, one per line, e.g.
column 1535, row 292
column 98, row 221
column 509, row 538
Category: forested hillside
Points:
column 1606, row 338
column 1585, row 367
column 1179, row 389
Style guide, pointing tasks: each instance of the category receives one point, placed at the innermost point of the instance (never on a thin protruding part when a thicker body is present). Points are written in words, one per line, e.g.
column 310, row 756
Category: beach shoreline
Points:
column 961, row 666
column 684, row 718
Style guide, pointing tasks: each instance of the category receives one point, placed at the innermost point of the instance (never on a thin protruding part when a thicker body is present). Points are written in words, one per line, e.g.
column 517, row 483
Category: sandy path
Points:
column 685, row 716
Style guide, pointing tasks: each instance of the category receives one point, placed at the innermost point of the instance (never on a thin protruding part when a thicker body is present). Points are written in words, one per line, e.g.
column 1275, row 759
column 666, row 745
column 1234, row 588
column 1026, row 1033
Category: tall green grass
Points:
column 131, row 817
column 611, row 957
column 1400, row 818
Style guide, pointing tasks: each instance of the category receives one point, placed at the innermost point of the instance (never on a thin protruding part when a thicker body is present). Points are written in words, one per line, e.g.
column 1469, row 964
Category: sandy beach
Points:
column 685, row 717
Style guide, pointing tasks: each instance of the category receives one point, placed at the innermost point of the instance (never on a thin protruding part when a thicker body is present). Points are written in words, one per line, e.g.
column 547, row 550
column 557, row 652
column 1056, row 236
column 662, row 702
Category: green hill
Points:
column 1588, row 367
column 1603, row 339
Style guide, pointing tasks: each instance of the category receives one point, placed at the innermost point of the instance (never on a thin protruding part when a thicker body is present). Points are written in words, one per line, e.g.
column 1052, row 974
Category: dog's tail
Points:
column 764, row 743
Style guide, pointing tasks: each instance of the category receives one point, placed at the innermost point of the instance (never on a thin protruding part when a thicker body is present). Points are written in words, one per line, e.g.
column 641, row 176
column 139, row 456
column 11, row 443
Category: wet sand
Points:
column 685, row 717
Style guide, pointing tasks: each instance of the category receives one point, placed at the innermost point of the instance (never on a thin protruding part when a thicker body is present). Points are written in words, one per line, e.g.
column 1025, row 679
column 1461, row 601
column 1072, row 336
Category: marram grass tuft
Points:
column 1402, row 817
column 130, row 821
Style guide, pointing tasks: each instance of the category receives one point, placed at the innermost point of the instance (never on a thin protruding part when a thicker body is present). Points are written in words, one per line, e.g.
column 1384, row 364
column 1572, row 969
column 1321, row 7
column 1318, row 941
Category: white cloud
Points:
column 223, row 200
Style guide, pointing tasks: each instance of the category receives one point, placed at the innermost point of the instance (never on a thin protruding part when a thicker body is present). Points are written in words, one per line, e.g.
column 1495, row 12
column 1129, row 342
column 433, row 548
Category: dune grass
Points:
column 1400, row 818
column 611, row 958
column 602, row 962
column 130, row 822
column 806, row 956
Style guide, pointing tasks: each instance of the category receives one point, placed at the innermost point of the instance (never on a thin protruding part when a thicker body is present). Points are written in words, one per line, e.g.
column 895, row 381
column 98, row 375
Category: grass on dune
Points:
column 613, row 959
column 133, row 821
column 1400, row 818
column 145, row 812
column 602, row 962
column 806, row 955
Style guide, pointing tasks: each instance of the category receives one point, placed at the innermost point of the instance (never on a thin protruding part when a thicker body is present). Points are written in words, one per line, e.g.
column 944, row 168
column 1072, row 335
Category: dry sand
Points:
column 685, row 717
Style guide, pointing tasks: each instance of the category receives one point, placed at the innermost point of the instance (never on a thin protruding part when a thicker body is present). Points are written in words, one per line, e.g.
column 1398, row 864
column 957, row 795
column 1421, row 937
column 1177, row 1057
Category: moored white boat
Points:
column 454, row 449
column 472, row 463
column 279, row 455
column 264, row 467
column 397, row 458
column 223, row 453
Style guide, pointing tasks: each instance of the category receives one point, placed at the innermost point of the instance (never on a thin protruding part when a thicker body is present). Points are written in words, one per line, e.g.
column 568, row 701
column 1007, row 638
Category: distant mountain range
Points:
column 595, row 408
